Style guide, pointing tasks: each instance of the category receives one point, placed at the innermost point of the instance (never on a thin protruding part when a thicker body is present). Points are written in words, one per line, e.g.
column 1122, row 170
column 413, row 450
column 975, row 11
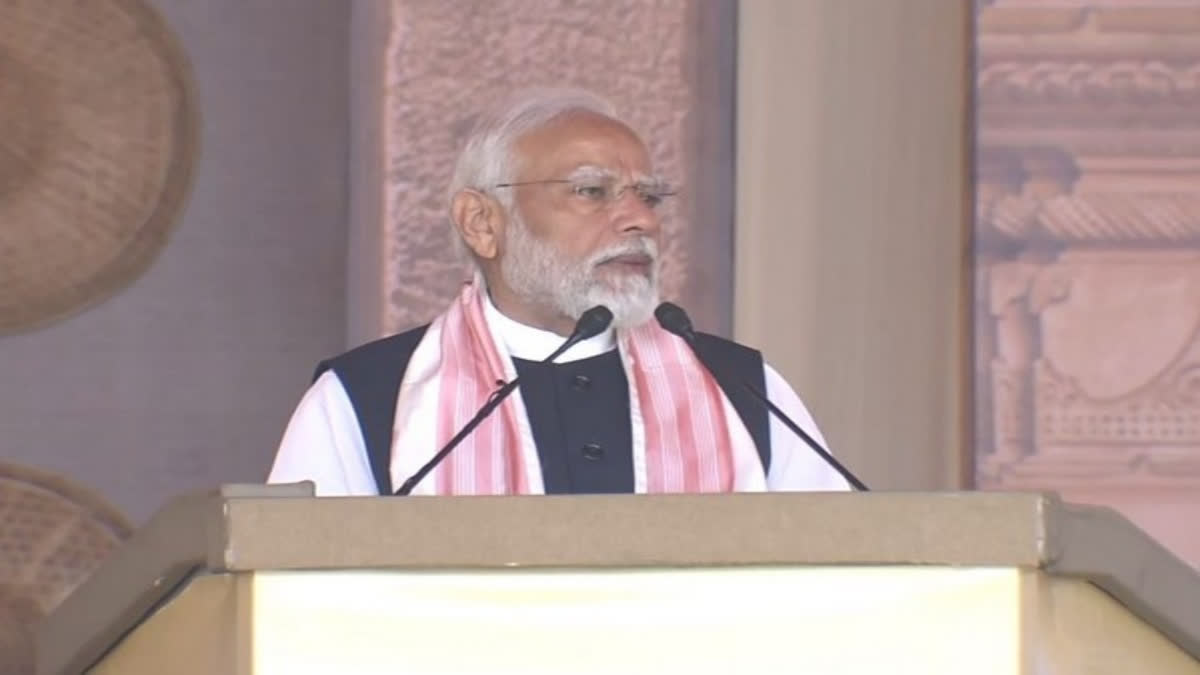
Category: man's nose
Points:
column 631, row 214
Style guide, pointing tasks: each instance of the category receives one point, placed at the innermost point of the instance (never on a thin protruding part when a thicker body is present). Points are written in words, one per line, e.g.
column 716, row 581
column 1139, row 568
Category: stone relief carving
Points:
column 1095, row 368
column 1088, row 243
column 1121, row 82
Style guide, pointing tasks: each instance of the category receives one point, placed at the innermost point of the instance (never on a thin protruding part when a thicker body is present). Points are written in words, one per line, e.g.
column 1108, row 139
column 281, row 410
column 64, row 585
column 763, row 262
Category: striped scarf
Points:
column 686, row 435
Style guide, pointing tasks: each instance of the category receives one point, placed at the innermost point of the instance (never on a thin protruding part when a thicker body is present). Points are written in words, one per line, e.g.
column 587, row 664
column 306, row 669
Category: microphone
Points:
column 590, row 324
column 675, row 321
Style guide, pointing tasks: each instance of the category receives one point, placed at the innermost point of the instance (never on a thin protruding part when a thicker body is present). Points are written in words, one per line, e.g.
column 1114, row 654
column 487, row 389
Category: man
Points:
column 555, row 200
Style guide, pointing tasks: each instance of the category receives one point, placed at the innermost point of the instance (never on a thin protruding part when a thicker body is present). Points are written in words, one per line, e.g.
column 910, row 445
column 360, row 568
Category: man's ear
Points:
column 480, row 221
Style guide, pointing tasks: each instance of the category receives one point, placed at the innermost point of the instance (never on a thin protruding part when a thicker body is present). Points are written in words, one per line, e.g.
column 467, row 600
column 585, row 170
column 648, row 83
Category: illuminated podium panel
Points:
column 269, row 580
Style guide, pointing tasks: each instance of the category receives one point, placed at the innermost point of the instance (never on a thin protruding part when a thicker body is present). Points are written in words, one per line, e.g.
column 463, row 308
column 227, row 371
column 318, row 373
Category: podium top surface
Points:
column 282, row 527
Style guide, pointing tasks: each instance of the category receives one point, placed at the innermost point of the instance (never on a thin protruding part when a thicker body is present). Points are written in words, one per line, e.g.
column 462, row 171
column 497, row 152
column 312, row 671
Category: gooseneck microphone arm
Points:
column 591, row 323
column 675, row 321
column 812, row 443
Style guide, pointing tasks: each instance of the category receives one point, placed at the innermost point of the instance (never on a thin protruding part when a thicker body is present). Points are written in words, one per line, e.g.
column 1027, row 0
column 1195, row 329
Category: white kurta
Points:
column 323, row 442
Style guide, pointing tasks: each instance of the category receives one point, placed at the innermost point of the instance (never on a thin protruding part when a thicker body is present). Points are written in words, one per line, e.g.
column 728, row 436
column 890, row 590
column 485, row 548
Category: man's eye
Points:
column 594, row 192
column 650, row 199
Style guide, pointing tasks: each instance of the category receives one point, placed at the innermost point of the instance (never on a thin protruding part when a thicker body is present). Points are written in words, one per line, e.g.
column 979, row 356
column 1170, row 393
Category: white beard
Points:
column 538, row 272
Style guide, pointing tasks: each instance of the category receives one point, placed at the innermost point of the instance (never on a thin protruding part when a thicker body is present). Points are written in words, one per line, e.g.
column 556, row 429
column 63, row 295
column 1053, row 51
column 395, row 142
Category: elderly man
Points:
column 556, row 201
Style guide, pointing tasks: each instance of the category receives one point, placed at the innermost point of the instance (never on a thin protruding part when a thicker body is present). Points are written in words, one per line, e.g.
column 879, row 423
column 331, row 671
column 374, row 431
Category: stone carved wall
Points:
column 659, row 62
column 1088, row 250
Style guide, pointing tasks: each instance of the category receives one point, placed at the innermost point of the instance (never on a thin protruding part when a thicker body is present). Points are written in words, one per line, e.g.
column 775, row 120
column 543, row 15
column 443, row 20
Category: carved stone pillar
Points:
column 1011, row 370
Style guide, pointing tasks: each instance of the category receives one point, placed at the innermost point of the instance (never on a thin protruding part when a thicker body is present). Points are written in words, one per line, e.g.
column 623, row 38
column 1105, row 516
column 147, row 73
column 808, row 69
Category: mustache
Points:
column 639, row 246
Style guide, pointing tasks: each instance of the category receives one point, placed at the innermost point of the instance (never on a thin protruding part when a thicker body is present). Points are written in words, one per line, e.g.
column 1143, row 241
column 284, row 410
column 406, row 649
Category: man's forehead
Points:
column 586, row 142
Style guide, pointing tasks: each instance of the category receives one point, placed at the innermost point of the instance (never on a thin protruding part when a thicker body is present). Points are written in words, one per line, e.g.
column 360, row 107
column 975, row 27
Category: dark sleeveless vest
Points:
column 582, row 406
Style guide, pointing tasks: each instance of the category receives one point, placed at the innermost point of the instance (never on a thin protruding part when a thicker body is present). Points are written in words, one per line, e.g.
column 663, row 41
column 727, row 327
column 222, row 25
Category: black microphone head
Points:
column 674, row 320
column 593, row 322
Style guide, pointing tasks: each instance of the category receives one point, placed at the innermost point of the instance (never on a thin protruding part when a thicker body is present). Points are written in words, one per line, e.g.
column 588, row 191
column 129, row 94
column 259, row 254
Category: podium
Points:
column 268, row 579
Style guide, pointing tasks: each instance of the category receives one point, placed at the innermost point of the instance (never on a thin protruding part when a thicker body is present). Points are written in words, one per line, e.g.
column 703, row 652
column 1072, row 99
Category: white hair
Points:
column 487, row 156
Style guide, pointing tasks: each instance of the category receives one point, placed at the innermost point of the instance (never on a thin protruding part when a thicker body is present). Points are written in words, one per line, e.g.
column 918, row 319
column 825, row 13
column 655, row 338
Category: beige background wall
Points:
column 852, row 222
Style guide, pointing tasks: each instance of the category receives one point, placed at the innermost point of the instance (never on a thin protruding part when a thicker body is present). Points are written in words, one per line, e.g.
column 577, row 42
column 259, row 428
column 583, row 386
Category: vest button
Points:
column 593, row 452
column 581, row 383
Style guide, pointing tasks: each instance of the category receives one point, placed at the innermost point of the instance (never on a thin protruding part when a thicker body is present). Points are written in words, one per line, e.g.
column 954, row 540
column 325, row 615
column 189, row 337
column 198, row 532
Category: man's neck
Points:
column 533, row 343
column 549, row 321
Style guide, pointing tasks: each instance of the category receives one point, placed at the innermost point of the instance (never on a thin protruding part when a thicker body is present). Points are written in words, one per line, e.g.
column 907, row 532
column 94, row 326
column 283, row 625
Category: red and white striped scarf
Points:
column 686, row 435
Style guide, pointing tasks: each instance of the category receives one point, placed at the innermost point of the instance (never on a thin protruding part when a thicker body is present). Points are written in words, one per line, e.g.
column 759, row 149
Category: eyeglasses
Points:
column 599, row 192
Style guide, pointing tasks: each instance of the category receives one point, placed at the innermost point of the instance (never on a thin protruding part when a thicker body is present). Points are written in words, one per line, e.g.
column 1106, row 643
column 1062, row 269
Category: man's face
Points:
column 592, row 238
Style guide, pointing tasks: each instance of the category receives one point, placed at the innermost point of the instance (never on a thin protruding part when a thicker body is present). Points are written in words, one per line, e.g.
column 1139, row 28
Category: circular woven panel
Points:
column 97, row 137
column 54, row 535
